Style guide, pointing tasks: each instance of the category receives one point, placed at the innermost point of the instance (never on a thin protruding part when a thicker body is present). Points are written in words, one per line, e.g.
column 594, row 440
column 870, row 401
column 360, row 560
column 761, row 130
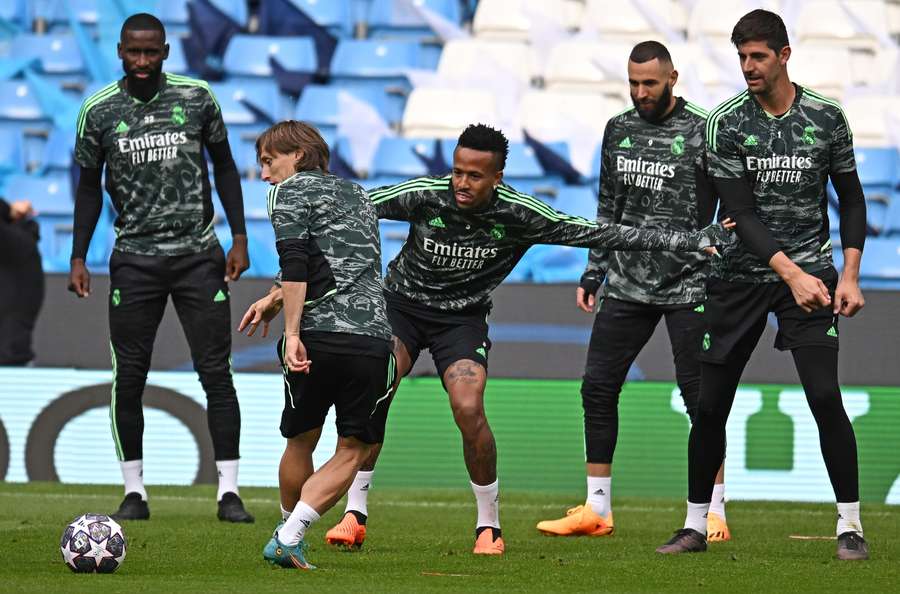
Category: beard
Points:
column 143, row 88
column 655, row 112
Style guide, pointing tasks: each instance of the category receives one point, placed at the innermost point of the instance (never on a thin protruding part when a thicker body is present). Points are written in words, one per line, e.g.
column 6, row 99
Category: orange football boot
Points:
column 716, row 528
column 347, row 533
column 488, row 544
column 579, row 521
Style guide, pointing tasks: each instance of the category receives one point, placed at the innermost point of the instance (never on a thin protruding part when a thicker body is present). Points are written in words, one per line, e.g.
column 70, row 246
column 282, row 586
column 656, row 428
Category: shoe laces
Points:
column 574, row 510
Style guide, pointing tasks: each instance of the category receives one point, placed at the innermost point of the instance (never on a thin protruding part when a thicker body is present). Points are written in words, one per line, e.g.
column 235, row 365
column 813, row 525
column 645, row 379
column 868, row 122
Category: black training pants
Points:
column 139, row 289
column 621, row 330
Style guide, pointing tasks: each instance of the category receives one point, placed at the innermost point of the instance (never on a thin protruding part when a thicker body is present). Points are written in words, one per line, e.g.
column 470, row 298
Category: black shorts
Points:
column 448, row 336
column 736, row 316
column 359, row 386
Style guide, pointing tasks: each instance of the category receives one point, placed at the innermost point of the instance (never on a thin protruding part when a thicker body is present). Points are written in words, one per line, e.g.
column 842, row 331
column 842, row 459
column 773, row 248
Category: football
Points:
column 93, row 543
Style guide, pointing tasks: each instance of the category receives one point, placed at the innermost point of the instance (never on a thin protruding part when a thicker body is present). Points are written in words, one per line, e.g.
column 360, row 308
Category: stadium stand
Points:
column 406, row 73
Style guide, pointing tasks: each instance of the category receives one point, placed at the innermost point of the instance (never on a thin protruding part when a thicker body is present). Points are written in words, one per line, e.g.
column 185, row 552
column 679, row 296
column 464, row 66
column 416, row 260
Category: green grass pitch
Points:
column 420, row 541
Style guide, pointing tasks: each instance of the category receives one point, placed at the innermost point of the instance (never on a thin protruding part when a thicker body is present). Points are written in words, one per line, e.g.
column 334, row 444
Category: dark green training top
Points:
column 454, row 258
column 653, row 176
column 787, row 161
column 156, row 173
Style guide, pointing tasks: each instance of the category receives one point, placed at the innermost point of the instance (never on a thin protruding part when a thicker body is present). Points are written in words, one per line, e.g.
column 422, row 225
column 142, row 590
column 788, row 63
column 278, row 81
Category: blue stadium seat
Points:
column 892, row 217
column 12, row 157
column 19, row 102
column 57, row 53
column 263, row 95
column 880, row 267
column 557, row 263
column 320, row 106
column 260, row 236
column 51, row 198
column 174, row 13
column 580, row 201
column 396, row 157
column 248, row 55
column 57, row 157
column 397, row 18
column 334, row 15
column 378, row 58
column 393, row 236
column 878, row 166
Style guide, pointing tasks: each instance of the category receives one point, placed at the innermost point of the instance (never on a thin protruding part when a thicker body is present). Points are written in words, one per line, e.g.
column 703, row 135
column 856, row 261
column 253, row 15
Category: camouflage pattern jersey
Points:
column 156, row 172
column 653, row 176
column 454, row 258
column 339, row 220
column 787, row 161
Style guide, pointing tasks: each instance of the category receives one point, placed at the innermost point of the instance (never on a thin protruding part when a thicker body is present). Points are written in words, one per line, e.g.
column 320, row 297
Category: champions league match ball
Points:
column 93, row 543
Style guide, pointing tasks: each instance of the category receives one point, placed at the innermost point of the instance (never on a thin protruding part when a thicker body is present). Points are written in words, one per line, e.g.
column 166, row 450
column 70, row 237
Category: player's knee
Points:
column 468, row 413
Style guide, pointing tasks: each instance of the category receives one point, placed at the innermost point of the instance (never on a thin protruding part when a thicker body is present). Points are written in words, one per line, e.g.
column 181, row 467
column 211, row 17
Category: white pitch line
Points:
column 427, row 504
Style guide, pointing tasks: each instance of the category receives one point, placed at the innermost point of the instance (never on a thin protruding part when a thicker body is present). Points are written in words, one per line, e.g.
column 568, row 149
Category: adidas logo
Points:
column 832, row 332
column 437, row 222
column 599, row 492
column 220, row 296
column 699, row 309
column 365, row 487
column 305, row 523
column 626, row 143
column 122, row 127
column 751, row 141
column 481, row 351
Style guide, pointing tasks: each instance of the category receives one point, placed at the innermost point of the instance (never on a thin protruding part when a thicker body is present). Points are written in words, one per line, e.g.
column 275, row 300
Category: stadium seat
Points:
column 320, row 105
column 588, row 66
column 261, row 95
column 860, row 24
column 57, row 157
column 712, row 20
column 248, row 55
column 626, row 19
column 880, row 267
column 334, row 15
column 399, row 18
column 393, row 236
column 806, row 68
column 579, row 201
column 12, row 157
column 892, row 217
column 878, row 166
column 18, row 102
column 557, row 263
column 396, row 157
column 174, row 13
column 377, row 59
column 57, row 53
column 51, row 198
column 514, row 19
column 462, row 58
column 444, row 113
column 870, row 118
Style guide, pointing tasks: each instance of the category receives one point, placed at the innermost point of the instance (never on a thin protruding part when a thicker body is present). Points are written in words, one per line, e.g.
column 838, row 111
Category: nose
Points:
column 642, row 92
column 265, row 174
column 142, row 60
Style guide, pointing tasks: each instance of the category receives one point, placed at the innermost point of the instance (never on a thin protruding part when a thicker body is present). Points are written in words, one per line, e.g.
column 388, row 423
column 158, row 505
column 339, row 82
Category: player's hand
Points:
column 19, row 209
column 585, row 300
column 719, row 234
column 79, row 278
column 810, row 292
column 295, row 354
column 712, row 252
column 848, row 298
column 262, row 311
column 728, row 223
column 237, row 260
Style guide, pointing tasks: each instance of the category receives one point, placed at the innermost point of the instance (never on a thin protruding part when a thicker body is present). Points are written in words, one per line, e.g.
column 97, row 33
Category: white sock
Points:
column 598, row 494
column 717, row 505
column 228, row 471
column 696, row 516
column 133, row 473
column 358, row 495
column 487, row 497
column 848, row 518
column 295, row 526
column 285, row 513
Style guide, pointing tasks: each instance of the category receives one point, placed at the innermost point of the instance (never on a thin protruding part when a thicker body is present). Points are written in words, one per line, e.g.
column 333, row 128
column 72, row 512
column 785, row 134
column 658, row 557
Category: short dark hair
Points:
column 289, row 136
column 761, row 25
column 142, row 21
column 481, row 137
column 650, row 50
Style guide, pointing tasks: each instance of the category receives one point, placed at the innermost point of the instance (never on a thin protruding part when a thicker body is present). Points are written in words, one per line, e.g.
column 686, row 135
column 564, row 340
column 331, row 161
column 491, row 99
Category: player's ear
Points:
column 673, row 77
column 119, row 50
column 784, row 55
column 498, row 178
column 165, row 53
